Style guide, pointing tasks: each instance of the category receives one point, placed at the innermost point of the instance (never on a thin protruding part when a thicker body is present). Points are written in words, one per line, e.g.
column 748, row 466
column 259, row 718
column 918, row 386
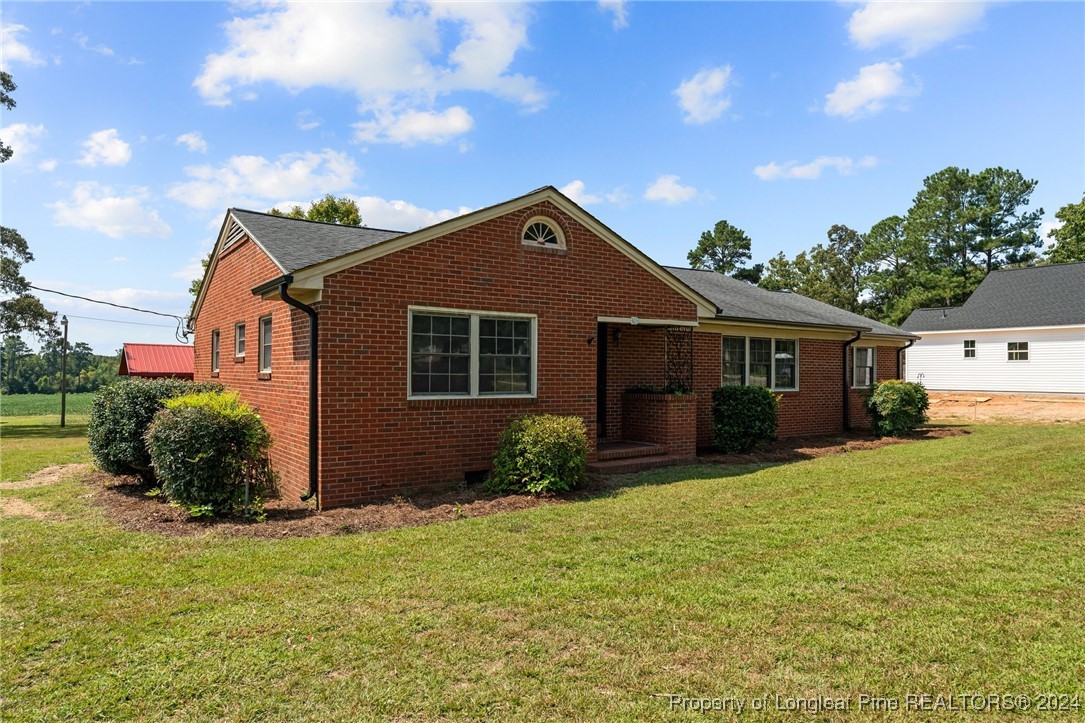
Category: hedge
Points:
column 897, row 407
column 540, row 453
column 743, row 417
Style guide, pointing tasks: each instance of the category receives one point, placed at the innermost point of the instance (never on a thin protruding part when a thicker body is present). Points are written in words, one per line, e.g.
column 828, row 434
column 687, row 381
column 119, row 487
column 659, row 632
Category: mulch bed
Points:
column 125, row 502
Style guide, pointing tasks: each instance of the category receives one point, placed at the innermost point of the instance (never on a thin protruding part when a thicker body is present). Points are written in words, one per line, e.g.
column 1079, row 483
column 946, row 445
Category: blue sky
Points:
column 139, row 124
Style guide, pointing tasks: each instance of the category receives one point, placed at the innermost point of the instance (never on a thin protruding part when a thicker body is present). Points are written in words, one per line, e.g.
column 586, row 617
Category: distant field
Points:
column 36, row 405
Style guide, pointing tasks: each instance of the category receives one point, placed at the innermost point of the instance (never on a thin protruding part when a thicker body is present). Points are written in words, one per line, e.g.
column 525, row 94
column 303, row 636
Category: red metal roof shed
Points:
column 157, row 360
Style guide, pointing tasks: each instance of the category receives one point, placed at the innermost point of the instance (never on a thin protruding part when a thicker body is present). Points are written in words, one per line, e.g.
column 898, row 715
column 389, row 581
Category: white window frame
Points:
column 265, row 339
column 239, row 340
column 216, row 349
column 558, row 232
column 772, row 365
column 873, row 367
column 473, row 368
column 1010, row 352
column 969, row 348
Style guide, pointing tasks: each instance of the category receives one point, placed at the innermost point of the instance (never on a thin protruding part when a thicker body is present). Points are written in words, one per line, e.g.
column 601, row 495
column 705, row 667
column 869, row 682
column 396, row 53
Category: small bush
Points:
column 119, row 418
column 743, row 417
column 540, row 453
column 210, row 452
column 897, row 407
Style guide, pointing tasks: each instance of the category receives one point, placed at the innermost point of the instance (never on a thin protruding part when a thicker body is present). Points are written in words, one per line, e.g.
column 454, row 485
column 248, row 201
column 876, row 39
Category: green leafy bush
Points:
column 120, row 415
column 897, row 407
column 209, row 450
column 540, row 453
column 743, row 417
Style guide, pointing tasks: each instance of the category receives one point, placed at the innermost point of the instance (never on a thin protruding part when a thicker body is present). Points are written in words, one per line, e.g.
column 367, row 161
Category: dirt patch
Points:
column 794, row 449
column 15, row 507
column 124, row 500
column 958, row 406
column 47, row 476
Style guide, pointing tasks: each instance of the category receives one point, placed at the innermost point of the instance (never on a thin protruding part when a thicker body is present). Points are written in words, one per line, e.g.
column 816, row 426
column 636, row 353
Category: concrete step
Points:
column 636, row 464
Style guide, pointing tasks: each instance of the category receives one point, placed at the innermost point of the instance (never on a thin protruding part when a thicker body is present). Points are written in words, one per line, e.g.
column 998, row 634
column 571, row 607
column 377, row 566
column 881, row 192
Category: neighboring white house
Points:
column 1022, row 330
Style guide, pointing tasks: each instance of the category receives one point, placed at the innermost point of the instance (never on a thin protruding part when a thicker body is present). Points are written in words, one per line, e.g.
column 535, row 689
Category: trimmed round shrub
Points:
column 743, row 417
column 119, row 418
column 208, row 450
column 540, row 453
column 898, row 407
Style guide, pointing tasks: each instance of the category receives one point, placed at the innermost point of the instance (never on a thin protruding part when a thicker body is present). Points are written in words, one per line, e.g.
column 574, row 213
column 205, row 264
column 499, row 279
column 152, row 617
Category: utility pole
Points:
column 64, row 371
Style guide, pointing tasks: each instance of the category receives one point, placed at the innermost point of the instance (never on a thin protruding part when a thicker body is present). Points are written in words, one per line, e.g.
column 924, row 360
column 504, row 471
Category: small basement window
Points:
column 542, row 231
column 969, row 348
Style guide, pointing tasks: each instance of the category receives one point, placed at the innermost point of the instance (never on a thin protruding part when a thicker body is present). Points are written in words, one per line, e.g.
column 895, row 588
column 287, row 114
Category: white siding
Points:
column 1056, row 361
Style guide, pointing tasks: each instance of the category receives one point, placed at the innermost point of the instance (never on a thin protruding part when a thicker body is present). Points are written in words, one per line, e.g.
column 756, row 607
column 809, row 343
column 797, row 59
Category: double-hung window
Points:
column 969, row 348
column 215, row 351
column 772, row 363
column 471, row 354
column 863, row 363
column 265, row 344
column 1017, row 351
column 239, row 340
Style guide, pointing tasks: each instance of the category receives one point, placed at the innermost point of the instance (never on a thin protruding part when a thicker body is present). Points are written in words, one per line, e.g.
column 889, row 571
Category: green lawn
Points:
column 25, row 405
column 29, row 443
column 952, row 566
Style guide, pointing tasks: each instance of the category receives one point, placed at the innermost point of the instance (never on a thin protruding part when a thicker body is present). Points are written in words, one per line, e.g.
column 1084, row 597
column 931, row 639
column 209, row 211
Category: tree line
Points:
column 960, row 227
column 22, row 371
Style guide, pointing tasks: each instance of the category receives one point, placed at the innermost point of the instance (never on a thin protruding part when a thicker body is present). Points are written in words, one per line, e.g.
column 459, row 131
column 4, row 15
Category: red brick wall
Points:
column 377, row 443
column 812, row 410
column 281, row 400
column 666, row 419
column 638, row 357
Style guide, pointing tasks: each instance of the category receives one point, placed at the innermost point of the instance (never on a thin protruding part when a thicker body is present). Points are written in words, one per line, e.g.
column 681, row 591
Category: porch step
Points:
column 621, row 449
column 636, row 464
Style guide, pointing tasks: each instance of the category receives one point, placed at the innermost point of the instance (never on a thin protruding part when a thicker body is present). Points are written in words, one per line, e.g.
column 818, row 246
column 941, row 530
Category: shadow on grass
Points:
column 42, row 431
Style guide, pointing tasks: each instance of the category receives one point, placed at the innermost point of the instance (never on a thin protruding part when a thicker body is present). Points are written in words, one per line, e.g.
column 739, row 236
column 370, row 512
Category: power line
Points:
column 180, row 334
column 118, row 321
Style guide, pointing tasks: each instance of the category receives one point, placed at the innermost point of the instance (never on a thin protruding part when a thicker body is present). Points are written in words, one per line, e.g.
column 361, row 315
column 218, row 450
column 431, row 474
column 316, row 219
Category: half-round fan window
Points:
column 543, row 232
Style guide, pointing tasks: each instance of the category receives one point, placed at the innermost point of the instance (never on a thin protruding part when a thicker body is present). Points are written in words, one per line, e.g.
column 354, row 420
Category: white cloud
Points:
column 1045, row 230
column 254, row 180
column 21, row 138
column 93, row 206
column 193, row 141
column 105, row 148
column 399, row 215
column 308, row 120
column 14, row 50
column 701, row 97
column 668, row 190
column 48, row 165
column 139, row 297
column 913, row 26
column 414, row 126
column 868, row 92
column 618, row 9
column 811, row 171
column 575, row 190
column 395, row 58
column 84, row 42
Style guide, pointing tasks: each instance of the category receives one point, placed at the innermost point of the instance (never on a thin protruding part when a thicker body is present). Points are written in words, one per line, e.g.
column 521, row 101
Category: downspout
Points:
column 847, row 396
column 900, row 359
column 314, row 397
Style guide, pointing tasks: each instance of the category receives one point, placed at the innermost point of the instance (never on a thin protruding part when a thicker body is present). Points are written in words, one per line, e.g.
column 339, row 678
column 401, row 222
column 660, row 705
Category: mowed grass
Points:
column 36, row 405
column 949, row 566
column 28, row 444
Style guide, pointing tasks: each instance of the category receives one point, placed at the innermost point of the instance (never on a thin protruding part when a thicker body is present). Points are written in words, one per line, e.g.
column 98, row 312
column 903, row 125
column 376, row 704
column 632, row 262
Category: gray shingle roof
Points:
column 295, row 244
column 739, row 300
column 1013, row 298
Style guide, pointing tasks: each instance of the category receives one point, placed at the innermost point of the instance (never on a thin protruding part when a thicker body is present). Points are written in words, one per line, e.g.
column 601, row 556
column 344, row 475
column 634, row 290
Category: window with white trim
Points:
column 864, row 361
column 1017, row 351
column 969, row 348
column 471, row 354
column 265, row 344
column 761, row 362
column 239, row 340
column 215, row 350
column 542, row 231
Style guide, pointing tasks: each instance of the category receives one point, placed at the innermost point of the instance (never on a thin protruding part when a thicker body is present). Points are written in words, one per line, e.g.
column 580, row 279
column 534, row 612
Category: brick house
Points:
column 427, row 343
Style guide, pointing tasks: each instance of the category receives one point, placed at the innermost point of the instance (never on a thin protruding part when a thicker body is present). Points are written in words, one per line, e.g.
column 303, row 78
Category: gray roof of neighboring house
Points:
column 1013, row 298
column 739, row 300
column 295, row 244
